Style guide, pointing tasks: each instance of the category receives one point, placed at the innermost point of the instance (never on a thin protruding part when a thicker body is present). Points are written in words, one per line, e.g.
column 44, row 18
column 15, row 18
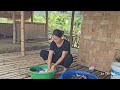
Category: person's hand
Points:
column 53, row 67
column 48, row 69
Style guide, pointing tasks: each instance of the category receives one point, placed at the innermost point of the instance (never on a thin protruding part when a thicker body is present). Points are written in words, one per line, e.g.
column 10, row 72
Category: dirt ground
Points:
column 6, row 46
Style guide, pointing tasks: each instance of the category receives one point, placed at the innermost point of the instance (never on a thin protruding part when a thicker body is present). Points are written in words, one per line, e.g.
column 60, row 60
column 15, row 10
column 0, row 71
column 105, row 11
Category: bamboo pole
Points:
column 71, row 28
column 14, row 28
column 46, row 26
column 22, row 34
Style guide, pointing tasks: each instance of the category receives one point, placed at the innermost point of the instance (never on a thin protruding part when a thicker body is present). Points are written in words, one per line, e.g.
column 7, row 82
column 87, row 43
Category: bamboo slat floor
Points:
column 14, row 66
column 75, row 66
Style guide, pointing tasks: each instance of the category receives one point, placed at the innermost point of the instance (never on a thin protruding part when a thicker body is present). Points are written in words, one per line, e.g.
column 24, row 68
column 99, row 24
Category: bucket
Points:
column 115, row 72
column 44, row 75
column 69, row 73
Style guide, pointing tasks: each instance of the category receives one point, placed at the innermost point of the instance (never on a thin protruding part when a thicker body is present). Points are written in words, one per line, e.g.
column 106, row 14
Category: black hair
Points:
column 58, row 33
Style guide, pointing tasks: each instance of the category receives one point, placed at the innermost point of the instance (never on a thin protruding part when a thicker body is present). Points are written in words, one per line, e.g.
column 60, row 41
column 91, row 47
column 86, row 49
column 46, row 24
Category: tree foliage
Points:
column 60, row 20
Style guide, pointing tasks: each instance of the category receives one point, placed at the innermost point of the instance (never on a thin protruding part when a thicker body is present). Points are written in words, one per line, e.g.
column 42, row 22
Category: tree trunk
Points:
column 22, row 34
column 71, row 29
column 31, row 16
column 46, row 27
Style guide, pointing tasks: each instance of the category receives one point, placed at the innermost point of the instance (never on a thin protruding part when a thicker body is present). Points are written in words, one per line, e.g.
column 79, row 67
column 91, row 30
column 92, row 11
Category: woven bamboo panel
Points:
column 32, row 30
column 6, row 29
column 100, row 37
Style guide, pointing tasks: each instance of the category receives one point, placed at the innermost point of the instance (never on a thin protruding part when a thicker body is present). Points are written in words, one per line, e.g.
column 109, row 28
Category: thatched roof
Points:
column 9, row 14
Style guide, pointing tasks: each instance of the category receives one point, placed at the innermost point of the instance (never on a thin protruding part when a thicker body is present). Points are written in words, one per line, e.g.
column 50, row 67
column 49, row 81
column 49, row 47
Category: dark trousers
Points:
column 66, row 62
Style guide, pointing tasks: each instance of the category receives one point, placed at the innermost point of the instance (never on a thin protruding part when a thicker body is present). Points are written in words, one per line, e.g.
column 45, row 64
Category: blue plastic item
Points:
column 69, row 73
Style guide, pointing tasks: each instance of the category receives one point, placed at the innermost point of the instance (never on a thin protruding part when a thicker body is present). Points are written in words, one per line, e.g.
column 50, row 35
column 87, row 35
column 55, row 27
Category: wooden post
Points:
column 31, row 16
column 71, row 28
column 14, row 29
column 22, row 34
column 46, row 27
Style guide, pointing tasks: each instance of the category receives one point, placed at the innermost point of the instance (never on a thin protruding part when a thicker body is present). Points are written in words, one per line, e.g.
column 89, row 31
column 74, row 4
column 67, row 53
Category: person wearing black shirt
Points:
column 59, row 52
